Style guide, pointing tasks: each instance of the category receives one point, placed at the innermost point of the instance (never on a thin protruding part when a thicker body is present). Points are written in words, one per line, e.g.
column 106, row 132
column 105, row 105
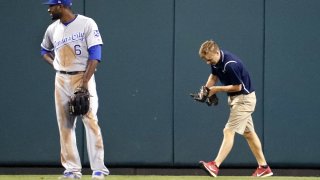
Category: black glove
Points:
column 79, row 103
column 202, row 95
column 212, row 100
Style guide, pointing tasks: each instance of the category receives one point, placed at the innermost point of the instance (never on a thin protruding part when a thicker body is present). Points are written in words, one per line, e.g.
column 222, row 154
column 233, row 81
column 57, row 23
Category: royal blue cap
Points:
column 54, row 2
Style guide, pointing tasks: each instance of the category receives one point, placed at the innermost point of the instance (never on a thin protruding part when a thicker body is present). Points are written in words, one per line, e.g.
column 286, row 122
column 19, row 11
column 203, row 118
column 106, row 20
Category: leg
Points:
column 70, row 158
column 240, row 120
column 239, row 114
column 212, row 167
column 226, row 146
column 93, row 133
column 263, row 169
column 255, row 146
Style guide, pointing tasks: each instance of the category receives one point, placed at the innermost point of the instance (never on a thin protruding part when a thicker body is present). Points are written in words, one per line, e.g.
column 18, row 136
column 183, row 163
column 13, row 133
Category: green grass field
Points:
column 114, row 177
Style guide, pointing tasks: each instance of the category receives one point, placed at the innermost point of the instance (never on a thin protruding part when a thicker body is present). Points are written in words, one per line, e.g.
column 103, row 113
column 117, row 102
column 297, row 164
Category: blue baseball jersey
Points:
column 231, row 71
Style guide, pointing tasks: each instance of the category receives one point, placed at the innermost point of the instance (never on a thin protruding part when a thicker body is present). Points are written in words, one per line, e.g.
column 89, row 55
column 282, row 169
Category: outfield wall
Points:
column 150, row 65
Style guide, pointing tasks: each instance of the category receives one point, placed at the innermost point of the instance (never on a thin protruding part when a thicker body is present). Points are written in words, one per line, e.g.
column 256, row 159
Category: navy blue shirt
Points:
column 231, row 71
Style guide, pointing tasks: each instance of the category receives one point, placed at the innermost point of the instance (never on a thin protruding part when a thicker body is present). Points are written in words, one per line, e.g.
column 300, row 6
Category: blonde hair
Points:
column 208, row 46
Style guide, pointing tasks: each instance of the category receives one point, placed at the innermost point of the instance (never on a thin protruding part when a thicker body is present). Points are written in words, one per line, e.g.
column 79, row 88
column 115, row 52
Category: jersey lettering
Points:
column 72, row 38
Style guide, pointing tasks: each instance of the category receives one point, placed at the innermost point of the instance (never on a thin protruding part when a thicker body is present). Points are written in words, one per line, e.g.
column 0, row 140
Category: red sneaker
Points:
column 210, row 167
column 262, row 172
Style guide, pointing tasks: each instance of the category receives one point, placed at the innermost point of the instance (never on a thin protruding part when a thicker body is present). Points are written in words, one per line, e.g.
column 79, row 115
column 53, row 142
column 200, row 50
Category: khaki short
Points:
column 241, row 108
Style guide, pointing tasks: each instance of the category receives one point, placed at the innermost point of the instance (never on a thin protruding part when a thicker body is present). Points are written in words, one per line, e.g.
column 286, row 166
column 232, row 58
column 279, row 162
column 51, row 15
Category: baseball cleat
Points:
column 70, row 175
column 97, row 175
column 210, row 167
column 262, row 172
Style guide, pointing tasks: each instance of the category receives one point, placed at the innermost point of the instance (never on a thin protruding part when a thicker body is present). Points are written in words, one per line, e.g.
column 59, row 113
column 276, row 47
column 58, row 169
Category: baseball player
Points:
column 236, row 82
column 72, row 45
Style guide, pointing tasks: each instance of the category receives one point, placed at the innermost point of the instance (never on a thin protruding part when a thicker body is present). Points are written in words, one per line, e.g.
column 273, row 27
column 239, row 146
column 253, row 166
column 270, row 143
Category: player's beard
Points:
column 55, row 16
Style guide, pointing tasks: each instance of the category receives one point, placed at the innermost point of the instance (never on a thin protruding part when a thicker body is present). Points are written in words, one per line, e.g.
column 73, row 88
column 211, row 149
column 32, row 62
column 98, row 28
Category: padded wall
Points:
column 135, row 80
column 150, row 65
column 292, row 82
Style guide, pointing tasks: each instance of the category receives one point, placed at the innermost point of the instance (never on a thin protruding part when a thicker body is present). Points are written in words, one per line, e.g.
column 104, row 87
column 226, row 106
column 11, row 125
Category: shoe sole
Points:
column 207, row 170
column 267, row 175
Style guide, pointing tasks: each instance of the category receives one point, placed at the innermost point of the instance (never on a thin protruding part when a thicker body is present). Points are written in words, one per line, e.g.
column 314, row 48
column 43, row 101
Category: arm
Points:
column 212, row 80
column 231, row 71
column 94, row 59
column 229, row 88
column 47, row 47
column 91, row 68
column 48, row 57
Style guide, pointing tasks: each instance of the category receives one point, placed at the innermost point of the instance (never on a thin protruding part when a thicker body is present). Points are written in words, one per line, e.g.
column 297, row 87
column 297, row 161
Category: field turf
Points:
column 138, row 177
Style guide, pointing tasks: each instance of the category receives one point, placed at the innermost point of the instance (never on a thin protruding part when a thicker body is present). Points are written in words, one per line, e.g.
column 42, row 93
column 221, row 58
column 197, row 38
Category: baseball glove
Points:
column 79, row 103
column 212, row 100
column 202, row 96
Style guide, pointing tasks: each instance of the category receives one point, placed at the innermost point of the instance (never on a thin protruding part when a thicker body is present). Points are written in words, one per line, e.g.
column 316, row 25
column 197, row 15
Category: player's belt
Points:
column 70, row 72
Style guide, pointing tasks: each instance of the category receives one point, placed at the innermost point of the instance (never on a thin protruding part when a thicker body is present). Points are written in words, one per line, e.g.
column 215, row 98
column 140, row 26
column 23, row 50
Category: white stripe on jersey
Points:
column 224, row 69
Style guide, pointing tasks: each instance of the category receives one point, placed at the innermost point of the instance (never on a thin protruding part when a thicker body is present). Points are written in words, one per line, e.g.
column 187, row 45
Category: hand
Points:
column 213, row 91
column 84, row 84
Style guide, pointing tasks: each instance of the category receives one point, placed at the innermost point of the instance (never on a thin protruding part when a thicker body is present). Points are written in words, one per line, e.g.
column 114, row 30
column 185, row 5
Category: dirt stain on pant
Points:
column 92, row 123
